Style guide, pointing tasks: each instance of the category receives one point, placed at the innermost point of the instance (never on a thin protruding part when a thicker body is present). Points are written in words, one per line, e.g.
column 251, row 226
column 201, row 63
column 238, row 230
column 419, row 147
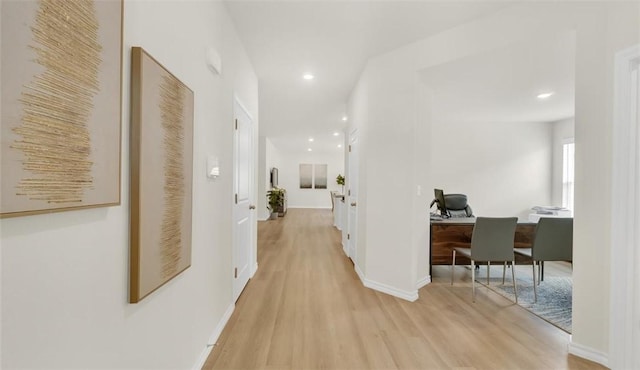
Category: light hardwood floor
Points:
column 306, row 309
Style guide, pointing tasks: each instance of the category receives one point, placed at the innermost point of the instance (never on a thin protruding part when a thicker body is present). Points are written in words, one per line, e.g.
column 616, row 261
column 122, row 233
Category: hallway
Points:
column 306, row 308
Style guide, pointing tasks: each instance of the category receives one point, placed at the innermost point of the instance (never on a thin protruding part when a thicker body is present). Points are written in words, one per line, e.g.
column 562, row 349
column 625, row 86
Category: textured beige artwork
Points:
column 161, row 175
column 172, row 106
column 61, row 69
column 57, row 104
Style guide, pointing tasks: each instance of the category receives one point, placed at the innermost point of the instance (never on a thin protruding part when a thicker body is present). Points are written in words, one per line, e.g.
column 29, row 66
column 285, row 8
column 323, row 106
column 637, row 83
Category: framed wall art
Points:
column 320, row 176
column 313, row 176
column 61, row 105
column 161, row 175
column 306, row 176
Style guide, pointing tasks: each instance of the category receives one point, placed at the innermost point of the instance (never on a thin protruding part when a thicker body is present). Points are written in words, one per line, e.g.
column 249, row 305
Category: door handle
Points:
column 353, row 204
column 251, row 206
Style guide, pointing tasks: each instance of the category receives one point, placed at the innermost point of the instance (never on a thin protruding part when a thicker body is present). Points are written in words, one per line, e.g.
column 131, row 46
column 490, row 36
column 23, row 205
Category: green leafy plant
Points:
column 275, row 199
column 340, row 180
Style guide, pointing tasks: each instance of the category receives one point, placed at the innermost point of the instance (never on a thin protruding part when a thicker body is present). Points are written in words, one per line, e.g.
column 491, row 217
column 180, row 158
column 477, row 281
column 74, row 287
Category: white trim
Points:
column 255, row 269
column 237, row 99
column 423, row 282
column 203, row 357
column 214, row 337
column 624, row 237
column 221, row 324
column 359, row 272
column 310, row 207
column 588, row 353
column 387, row 289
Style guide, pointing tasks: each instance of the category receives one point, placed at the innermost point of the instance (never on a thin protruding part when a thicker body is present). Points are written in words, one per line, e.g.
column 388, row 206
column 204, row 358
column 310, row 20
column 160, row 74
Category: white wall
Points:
column 562, row 131
column 384, row 108
column 593, row 137
column 263, row 179
column 65, row 275
column 288, row 162
column 271, row 160
column 503, row 168
column 289, row 177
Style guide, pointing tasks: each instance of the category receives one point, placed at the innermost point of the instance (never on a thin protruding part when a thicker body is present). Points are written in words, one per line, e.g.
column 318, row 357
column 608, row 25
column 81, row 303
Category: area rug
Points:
column 554, row 294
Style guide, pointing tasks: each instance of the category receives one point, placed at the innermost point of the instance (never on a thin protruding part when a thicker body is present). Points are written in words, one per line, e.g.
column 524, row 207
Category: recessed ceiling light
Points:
column 344, row 118
column 545, row 95
column 339, row 145
column 310, row 139
column 336, row 134
column 308, row 149
column 308, row 76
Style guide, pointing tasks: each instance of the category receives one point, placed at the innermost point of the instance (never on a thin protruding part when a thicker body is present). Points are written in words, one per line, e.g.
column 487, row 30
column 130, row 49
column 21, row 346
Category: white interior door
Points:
column 352, row 197
column 243, row 217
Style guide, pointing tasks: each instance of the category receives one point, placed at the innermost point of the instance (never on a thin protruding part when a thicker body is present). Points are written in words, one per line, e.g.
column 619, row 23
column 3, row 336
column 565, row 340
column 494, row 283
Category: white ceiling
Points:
column 333, row 40
column 502, row 85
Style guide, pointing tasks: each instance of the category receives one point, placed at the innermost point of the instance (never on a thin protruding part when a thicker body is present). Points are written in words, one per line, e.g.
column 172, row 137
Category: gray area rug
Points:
column 554, row 294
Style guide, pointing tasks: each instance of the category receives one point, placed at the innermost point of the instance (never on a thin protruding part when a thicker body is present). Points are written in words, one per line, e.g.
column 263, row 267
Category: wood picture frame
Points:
column 161, row 175
column 61, row 97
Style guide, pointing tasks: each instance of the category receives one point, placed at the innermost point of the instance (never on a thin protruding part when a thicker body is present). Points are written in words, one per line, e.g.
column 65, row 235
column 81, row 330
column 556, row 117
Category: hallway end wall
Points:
column 288, row 164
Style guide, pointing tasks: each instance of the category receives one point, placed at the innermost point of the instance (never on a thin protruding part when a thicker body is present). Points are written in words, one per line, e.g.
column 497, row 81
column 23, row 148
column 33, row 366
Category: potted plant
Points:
column 340, row 181
column 275, row 200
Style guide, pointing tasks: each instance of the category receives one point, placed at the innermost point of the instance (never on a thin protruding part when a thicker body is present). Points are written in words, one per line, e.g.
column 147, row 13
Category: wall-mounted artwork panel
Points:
column 61, row 105
column 306, row 176
column 161, row 175
column 320, row 176
column 313, row 176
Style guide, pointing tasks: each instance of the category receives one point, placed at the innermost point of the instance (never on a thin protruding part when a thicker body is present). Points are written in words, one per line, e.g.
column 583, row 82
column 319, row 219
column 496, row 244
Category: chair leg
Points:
column 504, row 270
column 535, row 289
column 453, row 265
column 488, row 268
column 513, row 276
column 539, row 271
column 473, row 280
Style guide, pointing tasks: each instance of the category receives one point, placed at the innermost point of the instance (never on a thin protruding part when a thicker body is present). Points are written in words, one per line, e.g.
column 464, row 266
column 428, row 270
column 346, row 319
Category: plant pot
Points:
column 273, row 216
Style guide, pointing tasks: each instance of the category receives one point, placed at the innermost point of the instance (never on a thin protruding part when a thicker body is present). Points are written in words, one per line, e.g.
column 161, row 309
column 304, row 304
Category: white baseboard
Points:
column 359, row 272
column 310, row 207
column 221, row 324
column 424, row 281
column 203, row 357
column 255, row 269
column 214, row 337
column 588, row 353
column 387, row 289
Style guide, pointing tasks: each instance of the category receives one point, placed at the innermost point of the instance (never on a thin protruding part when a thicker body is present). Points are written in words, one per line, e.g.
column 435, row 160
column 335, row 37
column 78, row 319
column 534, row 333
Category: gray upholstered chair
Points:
column 553, row 241
column 491, row 241
column 457, row 205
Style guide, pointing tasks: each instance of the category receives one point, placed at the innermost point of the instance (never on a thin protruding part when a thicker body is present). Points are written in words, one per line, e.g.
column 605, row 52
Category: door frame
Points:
column 624, row 340
column 253, row 264
column 352, row 253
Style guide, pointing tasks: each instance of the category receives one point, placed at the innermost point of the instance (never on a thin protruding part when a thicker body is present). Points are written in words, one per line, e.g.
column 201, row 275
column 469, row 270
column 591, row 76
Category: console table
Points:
column 456, row 232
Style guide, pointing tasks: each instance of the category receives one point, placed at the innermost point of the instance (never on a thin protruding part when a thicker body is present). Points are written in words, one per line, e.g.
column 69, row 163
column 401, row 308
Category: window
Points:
column 568, row 149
